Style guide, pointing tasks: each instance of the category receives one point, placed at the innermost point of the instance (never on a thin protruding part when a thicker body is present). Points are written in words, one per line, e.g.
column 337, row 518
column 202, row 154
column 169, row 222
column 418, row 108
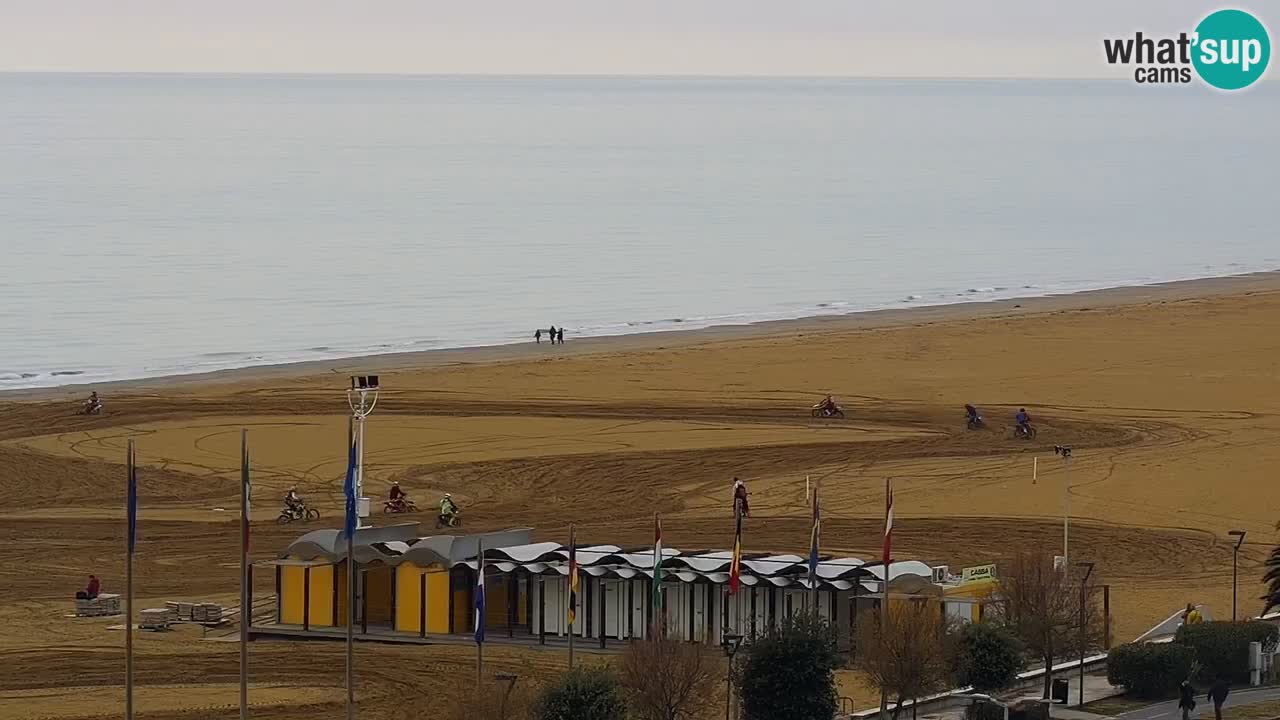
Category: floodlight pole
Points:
column 362, row 400
column 1065, row 452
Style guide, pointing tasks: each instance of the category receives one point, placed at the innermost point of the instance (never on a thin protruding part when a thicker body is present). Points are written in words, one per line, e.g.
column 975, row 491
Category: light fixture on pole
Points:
column 1065, row 452
column 1084, row 600
column 510, row 679
column 730, row 642
column 362, row 397
column 1235, row 555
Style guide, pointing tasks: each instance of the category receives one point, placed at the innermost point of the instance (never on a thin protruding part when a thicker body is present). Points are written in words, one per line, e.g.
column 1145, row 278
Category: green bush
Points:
column 1149, row 670
column 787, row 674
column 583, row 693
column 988, row 656
column 1222, row 648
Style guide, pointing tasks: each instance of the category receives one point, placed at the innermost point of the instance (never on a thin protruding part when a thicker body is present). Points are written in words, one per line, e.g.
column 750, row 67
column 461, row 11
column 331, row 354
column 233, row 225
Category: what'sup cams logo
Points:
column 1228, row 50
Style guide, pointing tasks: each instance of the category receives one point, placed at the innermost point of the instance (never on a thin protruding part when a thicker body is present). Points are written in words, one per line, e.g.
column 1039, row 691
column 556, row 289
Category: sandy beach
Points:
column 1169, row 394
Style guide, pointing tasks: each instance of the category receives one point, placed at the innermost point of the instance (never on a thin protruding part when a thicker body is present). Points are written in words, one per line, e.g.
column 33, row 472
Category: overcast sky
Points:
column 930, row 38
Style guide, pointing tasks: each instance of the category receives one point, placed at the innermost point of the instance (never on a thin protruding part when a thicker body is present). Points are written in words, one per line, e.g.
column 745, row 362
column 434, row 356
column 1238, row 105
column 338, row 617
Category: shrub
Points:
column 1222, row 648
column 583, row 693
column 988, row 656
column 788, row 673
column 1149, row 670
column 666, row 679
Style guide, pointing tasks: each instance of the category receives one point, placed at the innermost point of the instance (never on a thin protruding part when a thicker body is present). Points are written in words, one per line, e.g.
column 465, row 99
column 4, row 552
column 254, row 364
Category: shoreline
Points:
column 1178, row 290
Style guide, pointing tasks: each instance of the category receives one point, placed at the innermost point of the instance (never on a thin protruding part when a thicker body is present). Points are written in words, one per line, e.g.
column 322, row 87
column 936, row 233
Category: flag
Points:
column 480, row 601
column 735, row 565
column 349, row 487
column 657, row 563
column 573, row 575
column 133, row 500
column 813, row 542
column 888, row 525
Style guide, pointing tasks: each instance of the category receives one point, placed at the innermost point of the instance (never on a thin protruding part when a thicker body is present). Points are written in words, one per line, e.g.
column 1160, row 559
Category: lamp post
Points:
column 1084, row 589
column 510, row 679
column 730, row 642
column 1065, row 452
column 1235, row 556
column 362, row 399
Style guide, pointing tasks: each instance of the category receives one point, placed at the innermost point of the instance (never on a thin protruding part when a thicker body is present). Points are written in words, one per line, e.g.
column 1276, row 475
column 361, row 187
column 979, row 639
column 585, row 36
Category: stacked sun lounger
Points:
column 197, row 612
column 206, row 613
column 104, row 604
column 155, row 619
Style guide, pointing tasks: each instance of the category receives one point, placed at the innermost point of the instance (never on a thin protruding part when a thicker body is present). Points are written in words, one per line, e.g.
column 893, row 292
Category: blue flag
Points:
column 480, row 602
column 133, row 500
column 349, row 487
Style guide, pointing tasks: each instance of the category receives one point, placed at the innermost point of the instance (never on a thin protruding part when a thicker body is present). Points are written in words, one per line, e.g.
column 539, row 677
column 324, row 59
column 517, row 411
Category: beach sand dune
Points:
column 1171, row 400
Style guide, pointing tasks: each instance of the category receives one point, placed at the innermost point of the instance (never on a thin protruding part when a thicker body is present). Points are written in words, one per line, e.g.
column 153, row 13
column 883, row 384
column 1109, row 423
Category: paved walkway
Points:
column 1169, row 710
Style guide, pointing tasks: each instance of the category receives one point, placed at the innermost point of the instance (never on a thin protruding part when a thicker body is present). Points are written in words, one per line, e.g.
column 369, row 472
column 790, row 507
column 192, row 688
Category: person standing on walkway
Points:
column 1191, row 616
column 1186, row 699
column 537, row 336
column 1218, row 694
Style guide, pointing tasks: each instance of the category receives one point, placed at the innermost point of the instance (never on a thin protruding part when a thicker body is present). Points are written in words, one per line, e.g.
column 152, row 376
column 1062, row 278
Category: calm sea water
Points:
column 156, row 225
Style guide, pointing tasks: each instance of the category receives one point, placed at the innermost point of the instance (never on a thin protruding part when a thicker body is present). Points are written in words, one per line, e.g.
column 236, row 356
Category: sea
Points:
column 155, row 225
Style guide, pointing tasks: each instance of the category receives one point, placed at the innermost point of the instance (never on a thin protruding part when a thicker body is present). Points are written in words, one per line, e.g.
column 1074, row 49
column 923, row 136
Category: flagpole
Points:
column 351, row 581
column 480, row 612
column 813, row 557
column 573, row 559
column 660, row 619
column 132, row 509
column 884, row 600
column 246, row 612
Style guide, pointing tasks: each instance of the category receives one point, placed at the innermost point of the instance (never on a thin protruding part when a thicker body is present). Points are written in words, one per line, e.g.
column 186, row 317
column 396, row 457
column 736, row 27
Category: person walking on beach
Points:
column 552, row 332
column 560, row 335
column 537, row 336
column 1186, row 699
column 1218, row 694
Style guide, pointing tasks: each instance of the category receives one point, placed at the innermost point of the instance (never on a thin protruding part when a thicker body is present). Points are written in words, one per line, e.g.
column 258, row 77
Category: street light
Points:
column 730, row 642
column 1065, row 452
column 1235, row 555
column 1084, row 587
column 510, row 679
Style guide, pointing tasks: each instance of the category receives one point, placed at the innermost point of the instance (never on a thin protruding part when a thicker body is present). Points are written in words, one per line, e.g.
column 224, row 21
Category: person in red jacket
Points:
column 90, row 591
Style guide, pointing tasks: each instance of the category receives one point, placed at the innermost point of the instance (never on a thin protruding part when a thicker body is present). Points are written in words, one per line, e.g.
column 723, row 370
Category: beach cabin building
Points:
column 411, row 588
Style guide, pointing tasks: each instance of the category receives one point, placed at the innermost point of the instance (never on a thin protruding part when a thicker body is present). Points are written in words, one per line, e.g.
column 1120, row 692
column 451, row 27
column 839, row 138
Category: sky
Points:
column 860, row 38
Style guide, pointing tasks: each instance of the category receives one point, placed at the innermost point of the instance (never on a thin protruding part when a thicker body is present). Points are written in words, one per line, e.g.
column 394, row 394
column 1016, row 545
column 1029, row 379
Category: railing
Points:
column 263, row 608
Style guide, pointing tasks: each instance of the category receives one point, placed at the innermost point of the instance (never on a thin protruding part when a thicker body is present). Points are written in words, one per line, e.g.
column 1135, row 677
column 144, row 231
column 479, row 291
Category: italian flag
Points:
column 657, row 563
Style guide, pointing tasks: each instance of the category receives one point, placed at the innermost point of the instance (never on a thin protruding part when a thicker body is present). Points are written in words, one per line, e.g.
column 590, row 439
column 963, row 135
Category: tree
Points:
column 988, row 656
column 907, row 659
column 1041, row 604
column 583, row 693
column 788, row 673
column 1272, row 579
column 666, row 679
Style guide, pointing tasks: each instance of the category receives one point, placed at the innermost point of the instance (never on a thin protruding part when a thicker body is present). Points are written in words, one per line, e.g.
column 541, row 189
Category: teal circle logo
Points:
column 1232, row 49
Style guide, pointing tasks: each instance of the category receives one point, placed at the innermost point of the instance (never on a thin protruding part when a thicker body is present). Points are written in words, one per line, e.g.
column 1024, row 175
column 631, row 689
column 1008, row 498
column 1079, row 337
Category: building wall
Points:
column 409, row 598
column 320, row 600
column 378, row 585
column 292, row 610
